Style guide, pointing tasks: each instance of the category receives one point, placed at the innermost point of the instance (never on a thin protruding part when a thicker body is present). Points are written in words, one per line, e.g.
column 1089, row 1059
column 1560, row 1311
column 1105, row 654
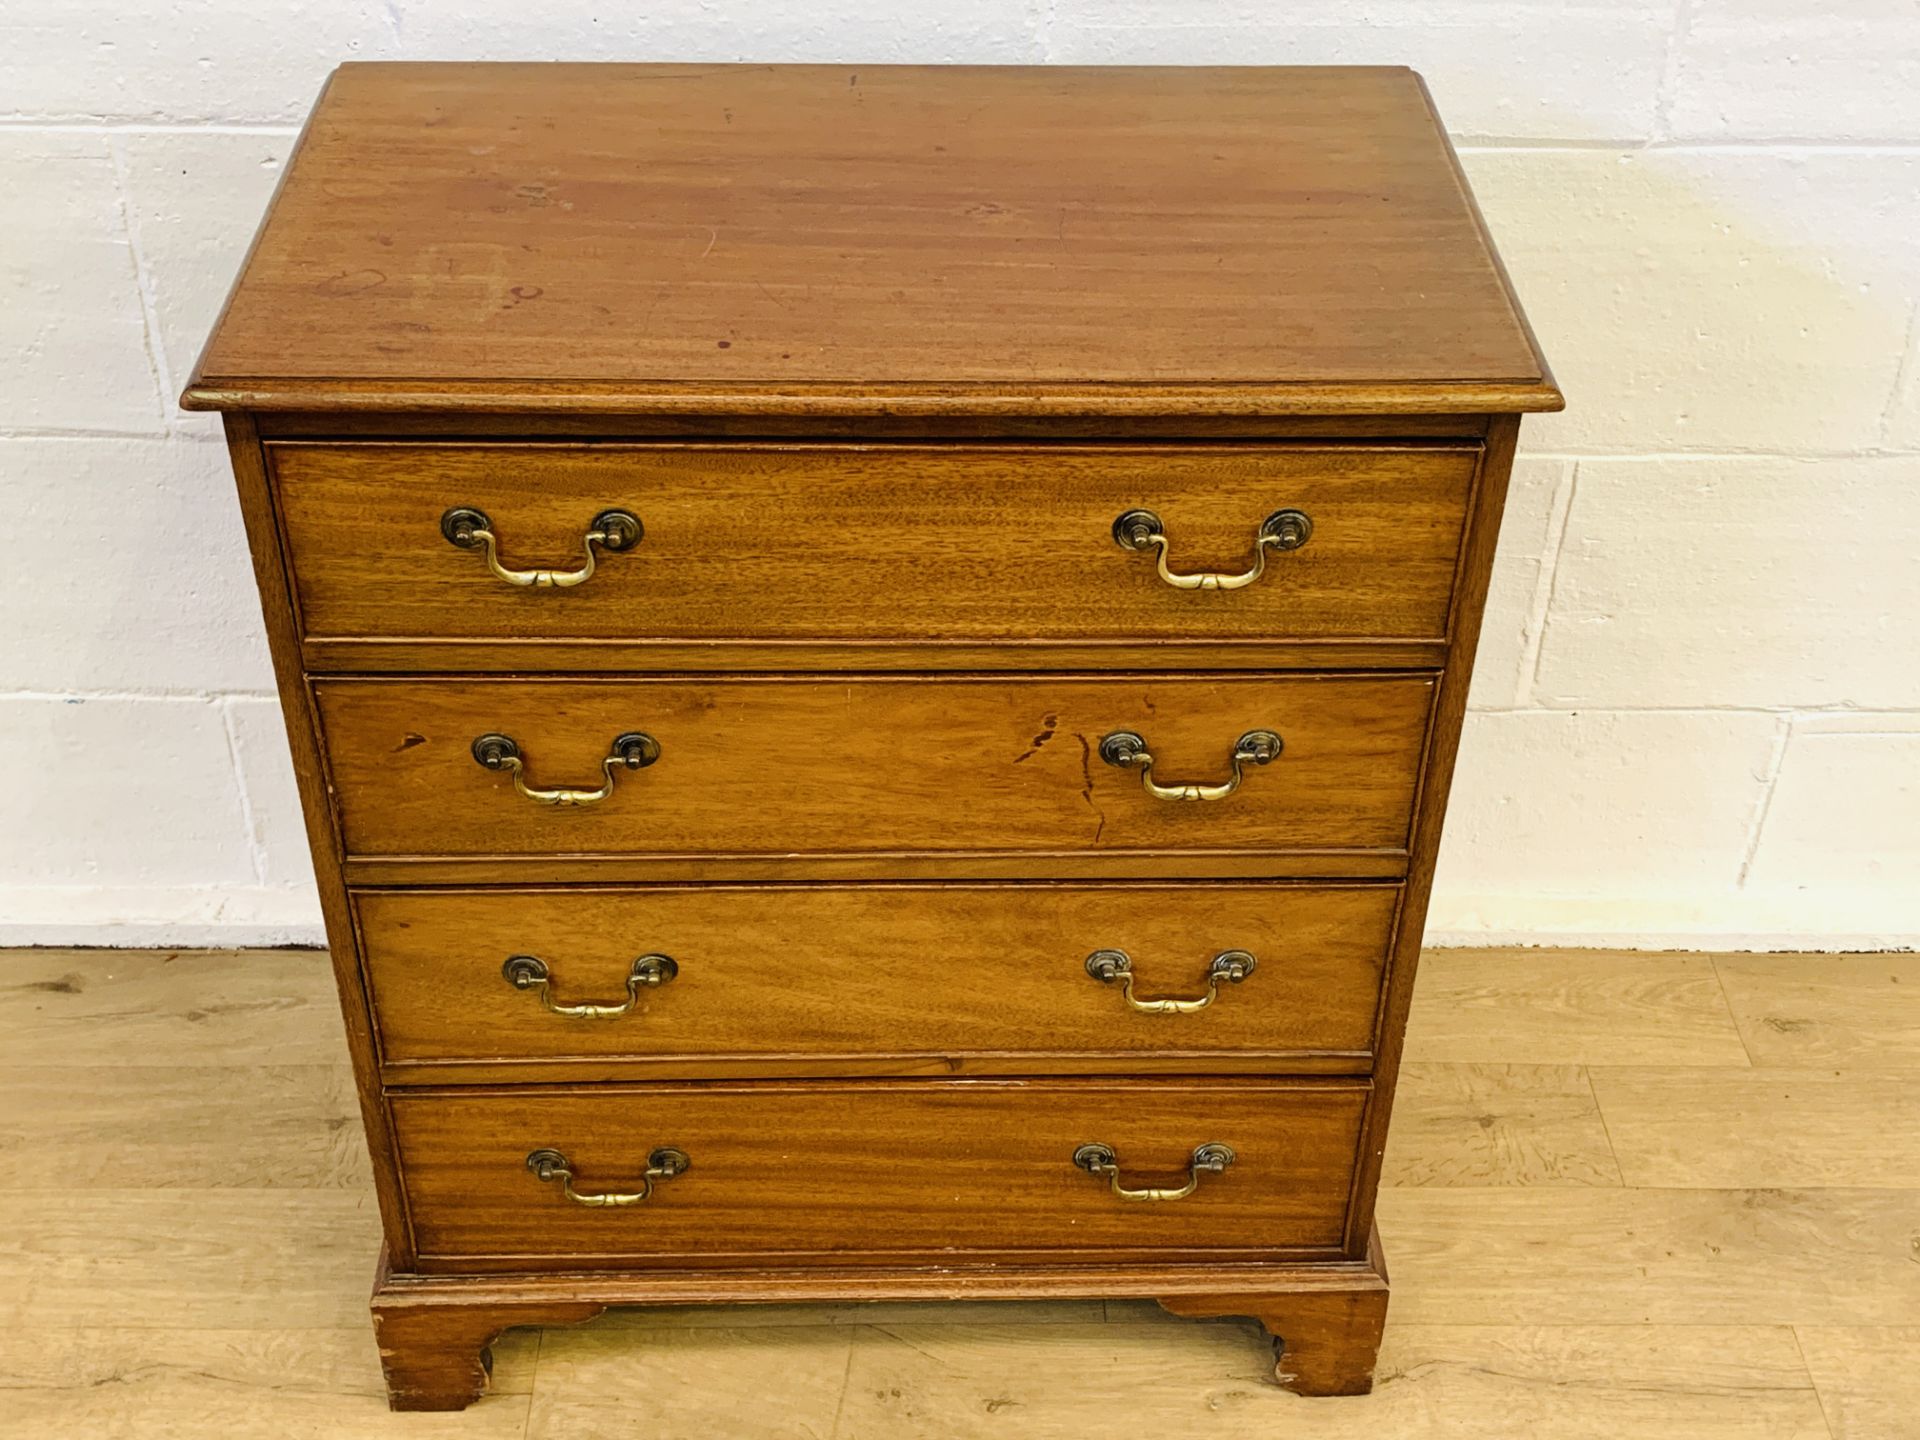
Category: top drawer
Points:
column 847, row 545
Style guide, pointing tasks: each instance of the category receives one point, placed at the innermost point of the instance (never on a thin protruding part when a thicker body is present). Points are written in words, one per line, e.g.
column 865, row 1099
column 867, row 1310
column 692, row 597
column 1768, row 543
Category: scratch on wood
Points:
column 1086, row 789
column 1048, row 724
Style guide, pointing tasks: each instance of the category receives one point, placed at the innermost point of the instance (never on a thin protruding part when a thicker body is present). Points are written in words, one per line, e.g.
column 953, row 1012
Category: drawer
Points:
column 871, row 766
column 913, row 1168
column 877, row 978
column 900, row 543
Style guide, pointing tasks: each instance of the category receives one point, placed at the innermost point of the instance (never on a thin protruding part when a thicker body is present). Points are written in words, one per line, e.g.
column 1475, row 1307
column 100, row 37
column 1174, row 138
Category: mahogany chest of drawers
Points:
column 874, row 660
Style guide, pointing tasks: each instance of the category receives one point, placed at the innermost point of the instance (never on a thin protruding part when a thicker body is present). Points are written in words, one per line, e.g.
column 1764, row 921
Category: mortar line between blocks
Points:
column 1783, row 734
column 1464, row 143
column 1678, row 33
column 149, row 315
column 1689, row 144
column 1903, row 374
column 169, row 697
column 256, row 846
column 1668, row 457
column 1580, row 707
column 1539, row 603
column 1530, row 676
column 143, row 278
column 76, row 125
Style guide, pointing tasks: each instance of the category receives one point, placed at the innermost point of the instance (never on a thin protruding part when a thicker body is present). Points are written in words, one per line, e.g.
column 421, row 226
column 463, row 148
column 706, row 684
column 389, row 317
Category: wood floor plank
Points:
column 1690, row 1126
column 1826, row 1009
column 253, row 1384
column 168, row 1127
column 1497, row 1125
column 1867, row 1378
column 1183, row 1379
column 170, row 1007
column 689, row 1383
column 1673, row 1257
column 188, row 1259
column 1570, row 1007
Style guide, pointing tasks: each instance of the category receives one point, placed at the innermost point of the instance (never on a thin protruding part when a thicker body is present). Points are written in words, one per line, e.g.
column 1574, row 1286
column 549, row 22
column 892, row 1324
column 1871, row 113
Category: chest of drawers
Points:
column 874, row 660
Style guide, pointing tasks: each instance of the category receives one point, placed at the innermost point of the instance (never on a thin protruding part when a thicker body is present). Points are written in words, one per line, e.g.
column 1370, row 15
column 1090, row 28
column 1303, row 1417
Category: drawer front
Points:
column 882, row 977
column 870, row 766
column 925, row 1168
column 886, row 544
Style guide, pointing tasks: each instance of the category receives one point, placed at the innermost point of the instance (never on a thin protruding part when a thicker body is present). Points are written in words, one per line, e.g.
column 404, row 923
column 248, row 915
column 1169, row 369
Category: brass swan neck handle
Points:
column 1099, row 1160
column 530, row 972
column 632, row 751
column 1143, row 530
column 1125, row 750
column 466, row 528
column 1229, row 967
column 663, row 1164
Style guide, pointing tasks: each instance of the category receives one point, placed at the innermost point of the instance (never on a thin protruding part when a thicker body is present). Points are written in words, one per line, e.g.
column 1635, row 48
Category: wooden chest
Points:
column 874, row 660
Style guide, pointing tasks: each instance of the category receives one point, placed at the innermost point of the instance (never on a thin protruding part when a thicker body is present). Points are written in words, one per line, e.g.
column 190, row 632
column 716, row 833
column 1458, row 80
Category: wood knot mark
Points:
column 71, row 984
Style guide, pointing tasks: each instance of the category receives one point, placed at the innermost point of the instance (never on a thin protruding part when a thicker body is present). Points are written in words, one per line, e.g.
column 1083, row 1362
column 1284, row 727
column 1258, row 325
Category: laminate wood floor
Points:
column 1671, row 1196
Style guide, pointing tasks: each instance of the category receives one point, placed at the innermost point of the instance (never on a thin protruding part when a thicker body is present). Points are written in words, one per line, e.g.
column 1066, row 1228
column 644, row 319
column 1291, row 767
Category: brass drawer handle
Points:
column 632, row 751
column 1107, row 966
column 1098, row 1159
column 470, row 529
column 1125, row 750
column 662, row 1164
column 1282, row 530
column 529, row 972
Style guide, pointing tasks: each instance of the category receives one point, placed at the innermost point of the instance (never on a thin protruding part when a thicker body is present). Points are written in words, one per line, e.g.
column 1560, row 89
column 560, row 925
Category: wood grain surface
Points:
column 850, row 1172
column 643, row 236
column 1480, row 1124
column 1618, row 1008
column 902, row 977
column 873, row 543
column 930, row 764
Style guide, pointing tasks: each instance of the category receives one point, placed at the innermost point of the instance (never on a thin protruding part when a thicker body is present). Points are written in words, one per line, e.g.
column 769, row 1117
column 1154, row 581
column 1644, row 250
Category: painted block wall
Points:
column 1696, row 719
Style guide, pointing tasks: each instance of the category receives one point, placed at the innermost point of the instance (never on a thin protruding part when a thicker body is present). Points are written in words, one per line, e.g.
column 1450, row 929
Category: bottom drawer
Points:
column 881, row 1171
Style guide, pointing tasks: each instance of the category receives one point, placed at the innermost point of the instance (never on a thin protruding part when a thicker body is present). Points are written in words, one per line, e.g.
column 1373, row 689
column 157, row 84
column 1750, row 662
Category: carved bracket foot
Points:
column 1322, row 1344
column 434, row 1348
column 1325, row 1338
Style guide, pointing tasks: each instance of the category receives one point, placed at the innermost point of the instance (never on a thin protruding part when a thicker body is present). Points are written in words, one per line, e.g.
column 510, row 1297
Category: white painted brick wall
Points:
column 1697, row 712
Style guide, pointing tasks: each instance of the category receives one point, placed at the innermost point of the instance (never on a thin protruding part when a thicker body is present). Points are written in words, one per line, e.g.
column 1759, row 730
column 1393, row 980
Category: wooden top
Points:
column 666, row 238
